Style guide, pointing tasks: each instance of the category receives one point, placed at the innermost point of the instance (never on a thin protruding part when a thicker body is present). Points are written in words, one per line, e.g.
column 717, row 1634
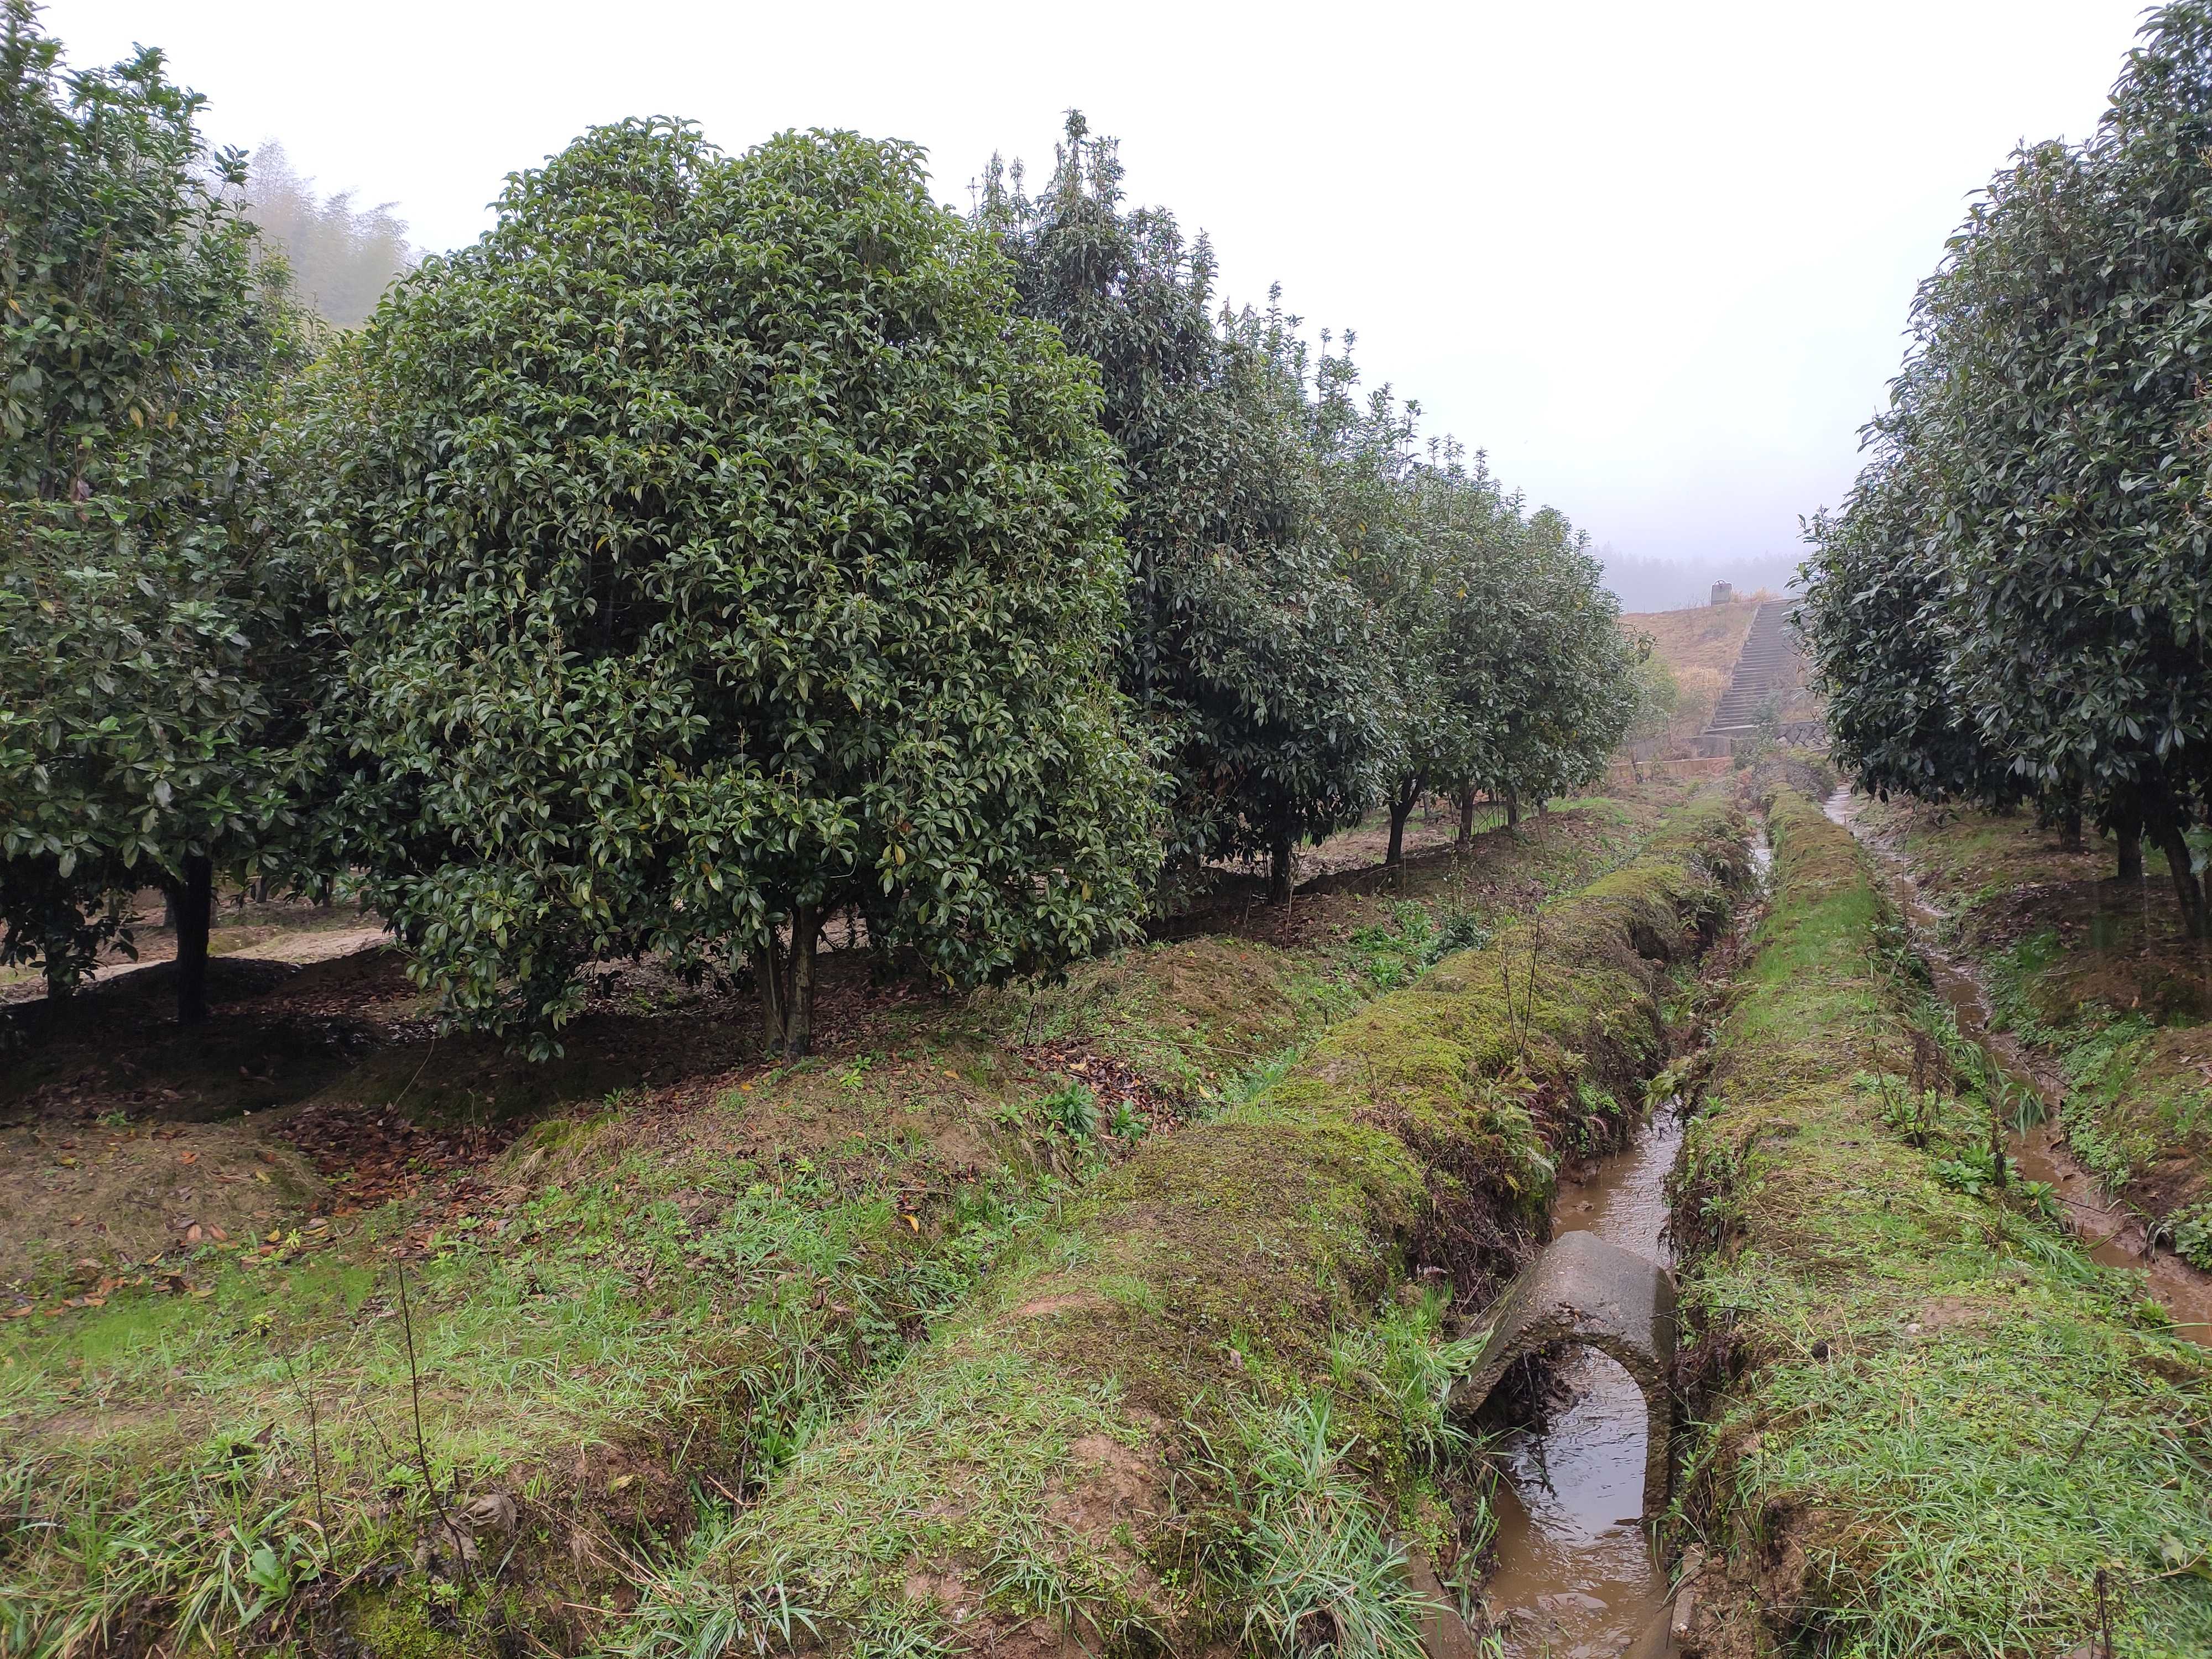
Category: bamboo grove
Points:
column 721, row 545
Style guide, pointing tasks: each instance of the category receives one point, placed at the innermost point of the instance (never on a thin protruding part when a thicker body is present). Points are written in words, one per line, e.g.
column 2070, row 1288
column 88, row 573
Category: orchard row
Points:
column 720, row 545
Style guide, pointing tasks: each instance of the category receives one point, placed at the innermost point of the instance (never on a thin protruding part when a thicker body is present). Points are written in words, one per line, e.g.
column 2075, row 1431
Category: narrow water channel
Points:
column 1575, row 1577
column 2114, row 1238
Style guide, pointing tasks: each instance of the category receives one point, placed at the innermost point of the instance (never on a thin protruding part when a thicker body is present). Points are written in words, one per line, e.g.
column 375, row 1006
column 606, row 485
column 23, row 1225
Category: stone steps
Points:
column 1767, row 667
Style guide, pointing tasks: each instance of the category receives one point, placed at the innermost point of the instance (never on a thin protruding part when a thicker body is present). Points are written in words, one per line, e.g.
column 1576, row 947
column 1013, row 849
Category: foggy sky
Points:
column 1656, row 260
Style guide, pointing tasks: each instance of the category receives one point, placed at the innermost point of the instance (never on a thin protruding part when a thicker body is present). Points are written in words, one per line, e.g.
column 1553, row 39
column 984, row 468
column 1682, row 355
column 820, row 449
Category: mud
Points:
column 2115, row 1236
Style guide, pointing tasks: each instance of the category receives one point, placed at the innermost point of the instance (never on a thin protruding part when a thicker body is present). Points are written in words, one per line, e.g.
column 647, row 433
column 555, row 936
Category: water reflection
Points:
column 1575, row 1578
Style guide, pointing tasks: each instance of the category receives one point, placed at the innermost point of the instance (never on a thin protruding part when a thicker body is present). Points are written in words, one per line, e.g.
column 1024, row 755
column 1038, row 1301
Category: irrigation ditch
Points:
column 2035, row 1128
column 1577, row 1570
column 1215, row 1402
column 1923, row 1418
column 1925, row 1407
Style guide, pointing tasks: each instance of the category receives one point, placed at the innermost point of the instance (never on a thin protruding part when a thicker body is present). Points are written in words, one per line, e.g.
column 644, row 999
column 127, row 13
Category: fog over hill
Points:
column 1677, row 584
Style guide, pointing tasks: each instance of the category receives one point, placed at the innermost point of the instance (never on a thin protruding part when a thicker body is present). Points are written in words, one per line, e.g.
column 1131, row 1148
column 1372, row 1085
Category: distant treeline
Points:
column 720, row 545
column 342, row 258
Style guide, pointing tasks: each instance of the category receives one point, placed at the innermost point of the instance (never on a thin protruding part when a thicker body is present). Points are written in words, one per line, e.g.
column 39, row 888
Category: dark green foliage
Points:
column 1569, row 688
column 1246, row 649
column 1319, row 618
column 711, row 552
column 1874, row 623
column 1508, row 672
column 144, row 733
column 2018, row 585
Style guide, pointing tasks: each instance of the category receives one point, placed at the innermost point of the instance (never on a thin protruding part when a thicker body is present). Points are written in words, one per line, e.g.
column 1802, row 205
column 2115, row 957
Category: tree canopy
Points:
column 711, row 552
column 1247, row 649
column 145, row 734
column 1319, row 619
column 2012, row 603
column 720, row 546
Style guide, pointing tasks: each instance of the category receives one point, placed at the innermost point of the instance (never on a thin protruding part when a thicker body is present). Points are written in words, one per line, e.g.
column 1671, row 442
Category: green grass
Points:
column 1936, row 1423
column 2094, row 976
column 1076, row 1442
column 664, row 1301
column 654, row 1327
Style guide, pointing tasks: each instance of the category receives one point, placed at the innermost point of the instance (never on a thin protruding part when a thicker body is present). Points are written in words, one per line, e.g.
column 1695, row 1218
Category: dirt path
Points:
column 268, row 942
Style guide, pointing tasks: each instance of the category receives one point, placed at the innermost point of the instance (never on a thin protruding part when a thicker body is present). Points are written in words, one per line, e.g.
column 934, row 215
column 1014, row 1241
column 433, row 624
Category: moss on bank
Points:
column 636, row 1314
column 2097, row 978
column 1213, row 1389
column 1932, row 1426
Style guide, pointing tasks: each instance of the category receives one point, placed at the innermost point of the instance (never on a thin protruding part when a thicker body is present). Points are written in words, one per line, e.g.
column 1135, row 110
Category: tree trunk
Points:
column 2128, row 835
column 1278, row 871
column 1467, row 815
column 2187, row 888
column 1401, row 808
column 2069, row 828
column 806, row 934
column 195, row 910
column 787, row 985
column 768, row 971
column 1512, row 809
column 61, row 981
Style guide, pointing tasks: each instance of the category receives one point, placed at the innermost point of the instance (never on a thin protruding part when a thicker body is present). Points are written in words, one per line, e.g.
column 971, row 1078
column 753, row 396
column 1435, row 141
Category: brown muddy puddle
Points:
column 2114, row 1238
column 1574, row 1577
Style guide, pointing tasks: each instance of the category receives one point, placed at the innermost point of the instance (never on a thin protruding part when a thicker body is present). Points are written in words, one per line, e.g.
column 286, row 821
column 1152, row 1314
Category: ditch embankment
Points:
column 1932, row 1424
column 2029, row 1085
column 2089, row 990
column 1206, row 1403
column 638, row 1280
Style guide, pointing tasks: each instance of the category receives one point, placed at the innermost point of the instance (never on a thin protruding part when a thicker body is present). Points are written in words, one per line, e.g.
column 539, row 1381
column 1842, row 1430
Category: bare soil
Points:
column 317, row 1090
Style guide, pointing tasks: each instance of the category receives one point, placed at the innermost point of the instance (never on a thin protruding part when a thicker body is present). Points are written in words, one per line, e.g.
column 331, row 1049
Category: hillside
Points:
column 1700, row 645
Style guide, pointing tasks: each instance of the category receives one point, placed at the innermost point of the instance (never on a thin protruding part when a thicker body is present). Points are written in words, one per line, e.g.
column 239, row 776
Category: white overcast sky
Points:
column 1655, row 259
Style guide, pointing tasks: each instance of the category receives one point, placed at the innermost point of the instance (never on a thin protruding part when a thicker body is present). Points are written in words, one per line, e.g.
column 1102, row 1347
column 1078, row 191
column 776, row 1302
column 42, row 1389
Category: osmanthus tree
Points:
column 1486, row 627
column 710, row 550
column 1250, row 655
column 2047, row 441
column 1876, row 632
column 148, row 717
column 1393, row 552
column 2080, row 564
column 1567, row 691
column 1502, row 665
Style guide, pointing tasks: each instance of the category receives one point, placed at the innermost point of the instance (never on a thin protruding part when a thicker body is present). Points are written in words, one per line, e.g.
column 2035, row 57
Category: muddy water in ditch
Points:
column 1574, row 1576
column 2115, row 1239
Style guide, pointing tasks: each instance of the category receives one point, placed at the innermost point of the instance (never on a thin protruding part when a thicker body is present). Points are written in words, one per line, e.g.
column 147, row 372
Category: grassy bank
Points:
column 1204, row 1403
column 650, row 1274
column 1931, row 1426
column 2094, row 976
